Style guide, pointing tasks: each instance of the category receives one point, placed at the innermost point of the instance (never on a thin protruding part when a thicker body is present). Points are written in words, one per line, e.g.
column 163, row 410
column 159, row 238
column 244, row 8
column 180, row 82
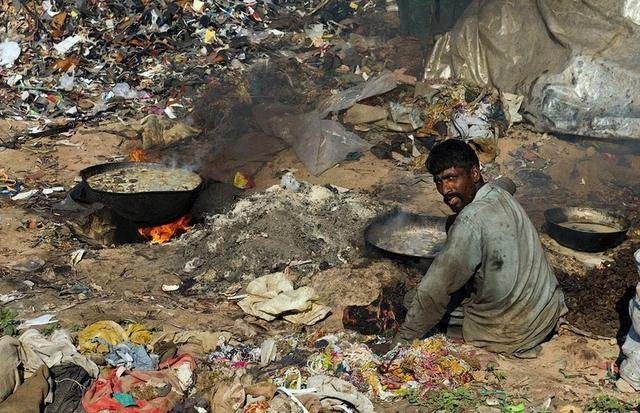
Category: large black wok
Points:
column 146, row 208
column 585, row 229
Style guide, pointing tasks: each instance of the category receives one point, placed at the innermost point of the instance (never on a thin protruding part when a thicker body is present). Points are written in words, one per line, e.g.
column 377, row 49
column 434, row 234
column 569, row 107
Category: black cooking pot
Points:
column 145, row 208
column 585, row 229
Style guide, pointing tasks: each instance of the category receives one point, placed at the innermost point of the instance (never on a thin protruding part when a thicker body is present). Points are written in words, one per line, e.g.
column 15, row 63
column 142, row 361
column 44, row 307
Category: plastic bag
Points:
column 323, row 143
column 9, row 53
column 345, row 99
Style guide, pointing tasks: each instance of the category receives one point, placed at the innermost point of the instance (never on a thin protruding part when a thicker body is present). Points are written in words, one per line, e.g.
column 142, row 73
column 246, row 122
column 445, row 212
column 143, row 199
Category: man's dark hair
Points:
column 449, row 154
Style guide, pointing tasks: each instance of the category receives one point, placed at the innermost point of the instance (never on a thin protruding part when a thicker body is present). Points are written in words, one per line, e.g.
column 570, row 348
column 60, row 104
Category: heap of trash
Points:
column 130, row 57
column 110, row 367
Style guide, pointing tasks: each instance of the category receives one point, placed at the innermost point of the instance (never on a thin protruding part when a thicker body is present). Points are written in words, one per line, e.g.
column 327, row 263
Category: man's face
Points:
column 458, row 186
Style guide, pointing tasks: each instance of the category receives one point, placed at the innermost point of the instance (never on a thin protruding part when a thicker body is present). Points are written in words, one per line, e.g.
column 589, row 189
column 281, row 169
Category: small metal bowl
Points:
column 586, row 229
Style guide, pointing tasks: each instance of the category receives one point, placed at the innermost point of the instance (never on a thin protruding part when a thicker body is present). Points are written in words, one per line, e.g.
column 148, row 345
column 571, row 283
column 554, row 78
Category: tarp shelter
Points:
column 577, row 62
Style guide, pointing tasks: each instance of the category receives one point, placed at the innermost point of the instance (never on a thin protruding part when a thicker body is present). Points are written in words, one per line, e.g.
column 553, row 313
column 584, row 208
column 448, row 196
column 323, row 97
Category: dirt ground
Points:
column 125, row 282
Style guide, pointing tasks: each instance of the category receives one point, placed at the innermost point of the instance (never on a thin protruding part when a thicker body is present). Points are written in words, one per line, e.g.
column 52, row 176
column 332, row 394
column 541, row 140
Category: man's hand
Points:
column 383, row 348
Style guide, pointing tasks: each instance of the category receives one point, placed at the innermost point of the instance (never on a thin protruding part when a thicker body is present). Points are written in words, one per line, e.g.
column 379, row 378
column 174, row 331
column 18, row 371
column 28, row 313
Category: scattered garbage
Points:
column 339, row 370
column 474, row 125
column 76, row 257
column 101, row 395
column 110, row 333
column 24, row 195
column 53, row 350
column 359, row 113
column 403, row 367
column 347, row 98
column 38, row 321
column 322, row 143
column 243, row 181
column 170, row 287
column 9, row 297
column 406, row 114
column 29, row 264
column 131, row 356
column 161, row 58
column 49, row 191
column 289, row 182
column 69, row 384
column 8, row 186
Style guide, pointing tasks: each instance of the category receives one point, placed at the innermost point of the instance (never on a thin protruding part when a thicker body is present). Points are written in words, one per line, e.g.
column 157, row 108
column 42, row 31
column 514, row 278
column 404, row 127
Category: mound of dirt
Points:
column 599, row 302
column 312, row 229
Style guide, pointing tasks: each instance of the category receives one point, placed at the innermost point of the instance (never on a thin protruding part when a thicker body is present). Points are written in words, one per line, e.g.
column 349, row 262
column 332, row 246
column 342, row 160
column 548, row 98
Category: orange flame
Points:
column 166, row 232
column 138, row 155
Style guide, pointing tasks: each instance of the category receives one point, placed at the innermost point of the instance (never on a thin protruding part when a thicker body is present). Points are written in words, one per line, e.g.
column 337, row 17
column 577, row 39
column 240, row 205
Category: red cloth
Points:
column 98, row 398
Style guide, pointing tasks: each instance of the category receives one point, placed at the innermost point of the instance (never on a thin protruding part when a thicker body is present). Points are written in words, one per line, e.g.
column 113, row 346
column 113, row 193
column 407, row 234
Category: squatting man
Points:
column 491, row 283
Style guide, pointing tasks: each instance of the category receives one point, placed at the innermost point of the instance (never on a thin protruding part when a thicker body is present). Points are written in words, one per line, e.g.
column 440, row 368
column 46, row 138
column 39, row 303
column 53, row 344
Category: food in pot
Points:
column 591, row 227
column 140, row 178
column 418, row 242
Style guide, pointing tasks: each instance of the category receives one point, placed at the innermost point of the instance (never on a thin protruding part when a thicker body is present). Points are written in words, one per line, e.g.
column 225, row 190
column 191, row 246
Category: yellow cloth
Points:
column 138, row 334
column 112, row 333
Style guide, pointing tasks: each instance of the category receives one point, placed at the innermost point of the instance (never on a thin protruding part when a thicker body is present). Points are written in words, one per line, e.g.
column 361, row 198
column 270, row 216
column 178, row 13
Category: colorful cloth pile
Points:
column 422, row 367
column 141, row 391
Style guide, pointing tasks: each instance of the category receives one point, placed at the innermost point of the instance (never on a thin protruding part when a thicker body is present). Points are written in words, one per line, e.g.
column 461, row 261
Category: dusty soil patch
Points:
column 599, row 302
column 359, row 287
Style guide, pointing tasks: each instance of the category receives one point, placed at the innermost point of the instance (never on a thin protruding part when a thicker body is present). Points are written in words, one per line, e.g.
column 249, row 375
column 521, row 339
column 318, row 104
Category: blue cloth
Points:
column 125, row 399
column 129, row 355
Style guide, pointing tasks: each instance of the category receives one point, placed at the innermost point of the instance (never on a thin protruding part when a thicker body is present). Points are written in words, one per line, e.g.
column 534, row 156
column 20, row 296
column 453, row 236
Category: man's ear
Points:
column 475, row 174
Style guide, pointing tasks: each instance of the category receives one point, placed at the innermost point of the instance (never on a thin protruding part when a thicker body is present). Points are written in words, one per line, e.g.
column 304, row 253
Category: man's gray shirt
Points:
column 514, row 301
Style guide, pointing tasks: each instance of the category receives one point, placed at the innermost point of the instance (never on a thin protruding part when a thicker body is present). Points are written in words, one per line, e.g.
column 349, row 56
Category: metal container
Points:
column 145, row 208
column 586, row 229
column 409, row 235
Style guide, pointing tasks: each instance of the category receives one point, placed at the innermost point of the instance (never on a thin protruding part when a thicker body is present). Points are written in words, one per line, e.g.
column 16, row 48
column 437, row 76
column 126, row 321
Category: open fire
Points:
column 138, row 155
column 160, row 234
column 166, row 232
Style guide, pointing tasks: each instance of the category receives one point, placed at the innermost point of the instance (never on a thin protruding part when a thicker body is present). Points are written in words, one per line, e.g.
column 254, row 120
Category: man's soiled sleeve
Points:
column 449, row 272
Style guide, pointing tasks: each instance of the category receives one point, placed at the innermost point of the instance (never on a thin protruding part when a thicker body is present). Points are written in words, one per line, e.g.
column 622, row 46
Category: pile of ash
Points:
column 311, row 229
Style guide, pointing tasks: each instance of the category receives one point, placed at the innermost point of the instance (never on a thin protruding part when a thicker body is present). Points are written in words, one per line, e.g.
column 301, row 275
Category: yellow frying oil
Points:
column 589, row 227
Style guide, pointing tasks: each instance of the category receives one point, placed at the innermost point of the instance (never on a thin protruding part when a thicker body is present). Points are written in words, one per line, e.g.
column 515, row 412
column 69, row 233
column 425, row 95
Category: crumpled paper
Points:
column 332, row 389
column 273, row 295
column 228, row 398
column 208, row 340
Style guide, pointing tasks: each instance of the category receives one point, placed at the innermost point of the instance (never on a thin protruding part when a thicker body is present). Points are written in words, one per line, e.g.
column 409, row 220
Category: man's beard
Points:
column 448, row 197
